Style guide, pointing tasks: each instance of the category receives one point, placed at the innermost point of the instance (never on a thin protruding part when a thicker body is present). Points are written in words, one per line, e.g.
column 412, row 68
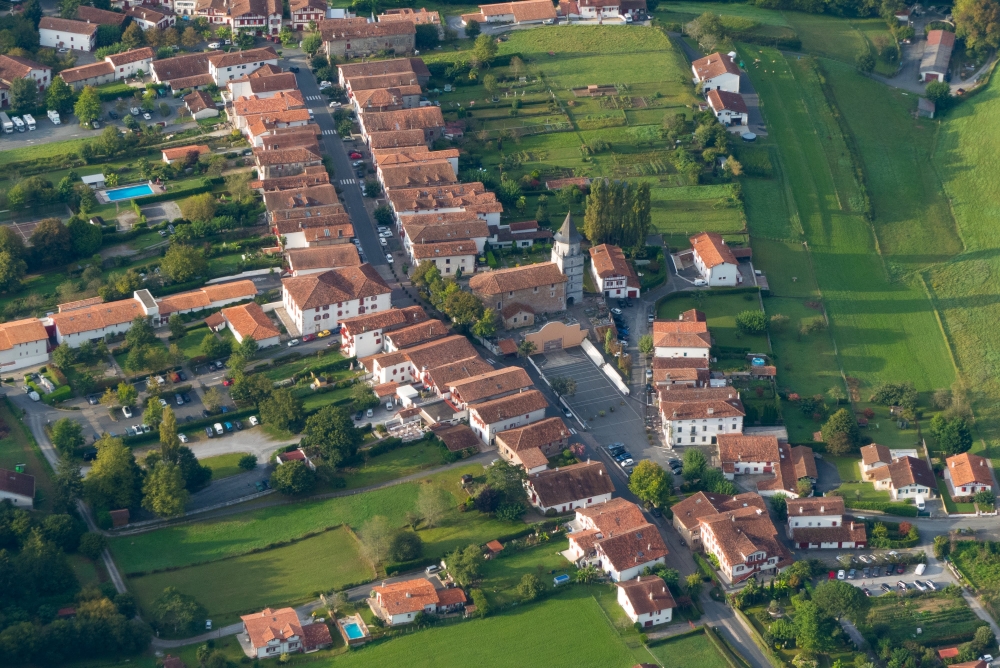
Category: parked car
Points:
column 228, row 426
column 113, row 115
column 919, row 585
column 369, row 413
column 126, row 411
column 901, row 584
column 388, row 258
column 867, row 593
column 93, row 400
column 163, row 403
column 616, row 311
column 359, row 415
column 218, row 429
column 238, row 425
column 930, row 585
column 841, row 574
column 179, row 400
column 865, row 572
column 886, row 588
column 325, row 333
column 293, row 342
column 308, row 337
column 205, row 413
column 182, row 438
column 290, row 69
column 253, row 421
column 877, row 572
column 134, row 111
column 900, row 569
column 226, row 382
column 146, row 116
column 432, row 569
column 209, row 432
column 851, row 574
column 214, row 45
column 355, row 155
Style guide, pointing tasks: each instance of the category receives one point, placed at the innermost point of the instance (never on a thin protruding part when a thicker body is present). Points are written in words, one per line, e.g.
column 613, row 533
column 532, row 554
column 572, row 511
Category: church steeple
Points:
column 567, row 234
column 566, row 254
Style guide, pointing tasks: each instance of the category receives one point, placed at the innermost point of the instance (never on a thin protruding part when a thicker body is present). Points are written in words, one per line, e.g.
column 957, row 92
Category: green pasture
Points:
column 693, row 650
column 502, row 574
column 720, row 313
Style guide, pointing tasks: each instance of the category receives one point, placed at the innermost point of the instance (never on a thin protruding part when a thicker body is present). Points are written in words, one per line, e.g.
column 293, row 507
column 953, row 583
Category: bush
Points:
column 92, row 544
column 751, row 322
column 248, row 462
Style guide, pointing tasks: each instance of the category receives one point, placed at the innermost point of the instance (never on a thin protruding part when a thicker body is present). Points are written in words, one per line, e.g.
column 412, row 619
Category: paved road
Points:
column 345, row 178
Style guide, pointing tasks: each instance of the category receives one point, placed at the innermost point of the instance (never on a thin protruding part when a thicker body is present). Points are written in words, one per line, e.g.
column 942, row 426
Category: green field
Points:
column 693, row 650
column 16, row 448
column 883, row 329
column 223, row 466
column 502, row 574
column 396, row 464
column 238, row 534
column 688, row 210
column 48, row 150
column 283, row 576
column 720, row 313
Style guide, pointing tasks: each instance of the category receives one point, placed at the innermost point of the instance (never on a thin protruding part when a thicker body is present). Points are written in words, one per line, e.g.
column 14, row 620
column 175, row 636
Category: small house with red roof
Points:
column 714, row 260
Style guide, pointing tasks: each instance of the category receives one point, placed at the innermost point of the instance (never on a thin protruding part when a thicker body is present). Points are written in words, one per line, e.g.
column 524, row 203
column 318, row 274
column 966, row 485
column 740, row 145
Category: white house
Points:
column 208, row 297
column 249, row 320
column 489, row 418
column 699, row 415
column 18, row 488
column 616, row 538
column 530, row 447
column 820, row 523
column 16, row 67
column 147, row 18
column 717, row 71
column 729, row 108
column 906, row 478
column 687, row 336
column 450, row 257
column 417, row 364
column 714, row 260
column 968, row 474
column 226, row 67
column 567, row 488
column 85, row 321
column 272, row 633
column 745, row 542
column 612, row 273
column 599, row 9
column 519, row 13
column 874, row 456
column 23, row 343
column 741, row 454
column 399, row 603
column 65, row 33
column 317, row 302
column 128, row 63
column 362, row 335
column 623, row 556
column 646, row 602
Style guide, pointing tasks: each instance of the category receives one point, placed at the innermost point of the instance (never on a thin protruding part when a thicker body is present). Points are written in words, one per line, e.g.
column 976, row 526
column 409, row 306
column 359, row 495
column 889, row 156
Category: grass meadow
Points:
column 287, row 575
column 223, row 466
column 693, row 650
column 17, row 448
column 236, row 535
column 720, row 312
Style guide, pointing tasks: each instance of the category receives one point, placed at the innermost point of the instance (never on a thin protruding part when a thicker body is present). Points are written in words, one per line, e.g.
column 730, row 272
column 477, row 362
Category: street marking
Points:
column 348, row 182
column 314, row 97
column 329, row 132
column 572, row 431
column 491, row 361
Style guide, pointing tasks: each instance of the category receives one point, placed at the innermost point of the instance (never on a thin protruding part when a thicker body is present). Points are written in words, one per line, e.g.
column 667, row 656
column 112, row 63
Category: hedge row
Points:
column 114, row 91
column 154, row 435
column 205, row 187
column 887, row 507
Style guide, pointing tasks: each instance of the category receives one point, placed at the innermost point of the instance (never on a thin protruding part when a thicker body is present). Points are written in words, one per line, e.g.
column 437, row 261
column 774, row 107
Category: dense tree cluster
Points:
column 618, row 213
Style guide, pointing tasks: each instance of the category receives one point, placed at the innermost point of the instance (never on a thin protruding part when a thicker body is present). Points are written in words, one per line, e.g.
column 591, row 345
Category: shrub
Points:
column 751, row 322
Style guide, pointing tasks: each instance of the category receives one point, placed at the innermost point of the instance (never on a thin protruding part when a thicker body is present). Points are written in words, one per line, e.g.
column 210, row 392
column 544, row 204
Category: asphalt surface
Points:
column 334, row 146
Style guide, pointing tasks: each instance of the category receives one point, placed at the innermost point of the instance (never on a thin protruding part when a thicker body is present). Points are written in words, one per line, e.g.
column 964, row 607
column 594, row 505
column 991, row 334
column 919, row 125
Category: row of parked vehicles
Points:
column 620, row 454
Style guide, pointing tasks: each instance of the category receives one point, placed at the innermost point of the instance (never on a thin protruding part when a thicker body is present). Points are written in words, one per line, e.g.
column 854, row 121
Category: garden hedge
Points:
column 887, row 507
column 205, row 187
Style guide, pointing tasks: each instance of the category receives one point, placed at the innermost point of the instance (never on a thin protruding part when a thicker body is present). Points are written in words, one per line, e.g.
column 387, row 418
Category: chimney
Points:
column 821, row 508
column 409, row 595
column 710, row 411
column 800, row 510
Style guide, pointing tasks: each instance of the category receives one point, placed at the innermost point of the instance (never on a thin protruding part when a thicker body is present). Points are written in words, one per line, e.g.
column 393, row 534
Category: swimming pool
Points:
column 353, row 631
column 129, row 192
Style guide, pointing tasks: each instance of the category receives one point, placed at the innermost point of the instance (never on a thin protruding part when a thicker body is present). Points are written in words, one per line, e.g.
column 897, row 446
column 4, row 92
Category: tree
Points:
column 752, row 323
column 312, row 42
column 67, row 436
column 181, row 263
column 463, row 308
column 650, row 483
column 282, row 410
column 140, row 334
column 67, row 483
column 508, row 481
column 176, row 611
column 85, row 239
column 405, row 546
column 199, row 207
column 169, row 442
column 376, row 539
column 92, row 544
column 472, row 29
column 363, row 397
column 250, row 389
column 563, row 386
column 23, row 95
column 804, row 487
column 12, row 270
column 163, row 492
column 427, row 37
column 487, row 324
column 841, row 422
column 938, row 92
column 247, row 462
column 372, row 188
column 464, row 565
column 953, row 435
column 978, row 23
column 331, row 433
column 838, row 598
column 865, row 61
column 212, row 347
column 127, row 394
column 114, row 480
column 646, row 344
column 431, row 506
column 59, row 96
column 190, row 38
column 133, row 37
column 525, row 348
column 88, row 106
column 779, row 503
column 51, row 243
column 293, row 478
column 530, row 587
column 176, row 325
column 694, row 464
column 238, row 186
column 212, row 399
column 618, row 213
column 484, row 49
column 490, row 84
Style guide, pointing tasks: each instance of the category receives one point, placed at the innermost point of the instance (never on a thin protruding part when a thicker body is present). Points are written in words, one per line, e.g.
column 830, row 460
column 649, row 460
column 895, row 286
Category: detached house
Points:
column 874, row 456
column 687, row 336
column 23, row 343
column 714, row 260
column 345, row 38
column 906, row 478
column 530, row 447
column 16, row 67
column 728, row 107
column 616, row 538
column 646, row 602
column 688, row 513
column 65, row 33
column 741, row 454
column 18, row 488
column 613, row 274
column 564, row 489
column 540, row 287
column 272, row 633
column 700, row 415
column 717, row 71
column 400, row 602
column 745, row 543
column 489, row 418
column 968, row 474
column 820, row 523
column 250, row 321
column 524, row 12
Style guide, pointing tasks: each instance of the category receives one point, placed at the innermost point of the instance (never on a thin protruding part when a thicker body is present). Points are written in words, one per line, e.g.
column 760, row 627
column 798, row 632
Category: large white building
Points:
column 714, row 260
column 91, row 319
column 745, row 542
column 616, row 538
column 23, row 343
column 317, row 302
column 699, row 415
column 489, row 418
column 66, row 34
column 717, row 71
column 687, row 336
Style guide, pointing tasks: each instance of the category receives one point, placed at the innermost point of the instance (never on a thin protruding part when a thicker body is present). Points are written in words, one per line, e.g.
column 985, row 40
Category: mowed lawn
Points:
column 287, row 575
column 693, row 650
column 395, row 464
column 16, row 448
column 223, row 466
column 688, row 210
column 235, row 535
column 502, row 575
column 720, row 312
column 965, row 289
column 884, row 330
column 568, row 629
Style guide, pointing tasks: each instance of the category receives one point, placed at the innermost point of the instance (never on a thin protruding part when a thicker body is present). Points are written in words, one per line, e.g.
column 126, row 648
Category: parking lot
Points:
column 934, row 571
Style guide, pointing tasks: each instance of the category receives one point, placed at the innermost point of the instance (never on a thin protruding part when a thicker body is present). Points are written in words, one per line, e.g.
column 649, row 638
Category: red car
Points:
column 308, row 337
column 226, row 382
column 355, row 156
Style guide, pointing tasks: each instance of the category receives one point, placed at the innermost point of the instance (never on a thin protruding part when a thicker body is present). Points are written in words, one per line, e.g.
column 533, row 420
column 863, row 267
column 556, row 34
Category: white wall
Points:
column 18, row 500
column 646, row 619
column 363, row 344
column 566, row 507
column 679, row 431
column 57, row 39
column 670, row 351
column 627, row 574
column 726, row 81
column 488, row 432
column 24, row 355
column 74, row 340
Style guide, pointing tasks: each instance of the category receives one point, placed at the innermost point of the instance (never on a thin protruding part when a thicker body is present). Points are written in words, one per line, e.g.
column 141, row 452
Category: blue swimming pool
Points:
column 129, row 192
column 353, row 631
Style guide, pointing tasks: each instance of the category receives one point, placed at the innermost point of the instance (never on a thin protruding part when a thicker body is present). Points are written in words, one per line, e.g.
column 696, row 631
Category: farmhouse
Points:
column 128, row 63
column 820, row 523
column 113, row 68
column 967, row 474
column 18, row 488
column 685, row 337
column 717, row 71
column 714, row 260
column 451, row 198
column 362, row 335
column 541, row 287
column 570, row 487
column 272, row 633
column 249, row 320
column 906, row 478
column 304, row 12
column 728, row 107
column 263, row 83
column 399, row 602
column 172, row 155
column 438, row 376
column 519, row 13
column 318, row 301
column 699, row 415
column 794, row 465
column 937, row 55
column 621, row 551
column 276, row 163
column 646, row 602
column 102, row 17
column 347, row 39
column 417, row 363
column 65, row 33
column 428, row 119
column 530, row 447
column 688, row 513
column 745, row 543
column 349, row 73
column 613, row 274
column 392, row 98
column 489, row 418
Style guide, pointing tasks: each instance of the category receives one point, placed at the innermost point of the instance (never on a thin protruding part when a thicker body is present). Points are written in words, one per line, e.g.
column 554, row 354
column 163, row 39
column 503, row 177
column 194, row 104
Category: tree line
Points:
column 618, row 212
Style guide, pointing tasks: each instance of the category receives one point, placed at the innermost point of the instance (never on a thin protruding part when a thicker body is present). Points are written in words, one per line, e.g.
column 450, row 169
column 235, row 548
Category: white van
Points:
column 919, row 570
column 920, row 503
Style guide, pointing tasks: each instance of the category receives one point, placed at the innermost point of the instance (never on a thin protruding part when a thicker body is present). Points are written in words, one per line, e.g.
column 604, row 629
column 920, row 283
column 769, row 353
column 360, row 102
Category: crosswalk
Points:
column 491, row 361
column 329, row 132
column 313, row 98
column 348, row 182
column 572, row 431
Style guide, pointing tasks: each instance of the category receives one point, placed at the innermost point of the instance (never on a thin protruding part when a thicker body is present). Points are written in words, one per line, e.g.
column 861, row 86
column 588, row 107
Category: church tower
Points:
column 566, row 255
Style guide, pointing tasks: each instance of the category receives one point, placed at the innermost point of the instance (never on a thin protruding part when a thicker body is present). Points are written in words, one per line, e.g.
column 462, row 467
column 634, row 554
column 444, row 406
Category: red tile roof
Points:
column 712, row 250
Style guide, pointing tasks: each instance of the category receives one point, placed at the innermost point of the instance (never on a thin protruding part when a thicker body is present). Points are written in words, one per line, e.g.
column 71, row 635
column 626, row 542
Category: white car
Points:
column 126, row 411
column 388, row 258
column 382, row 241
column 841, row 574
column 218, row 428
column 293, row 342
column 163, row 402
column 146, row 115
column 325, row 84
column 335, row 105
column 700, row 282
column 182, row 438
column 253, row 421
column 214, row 45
